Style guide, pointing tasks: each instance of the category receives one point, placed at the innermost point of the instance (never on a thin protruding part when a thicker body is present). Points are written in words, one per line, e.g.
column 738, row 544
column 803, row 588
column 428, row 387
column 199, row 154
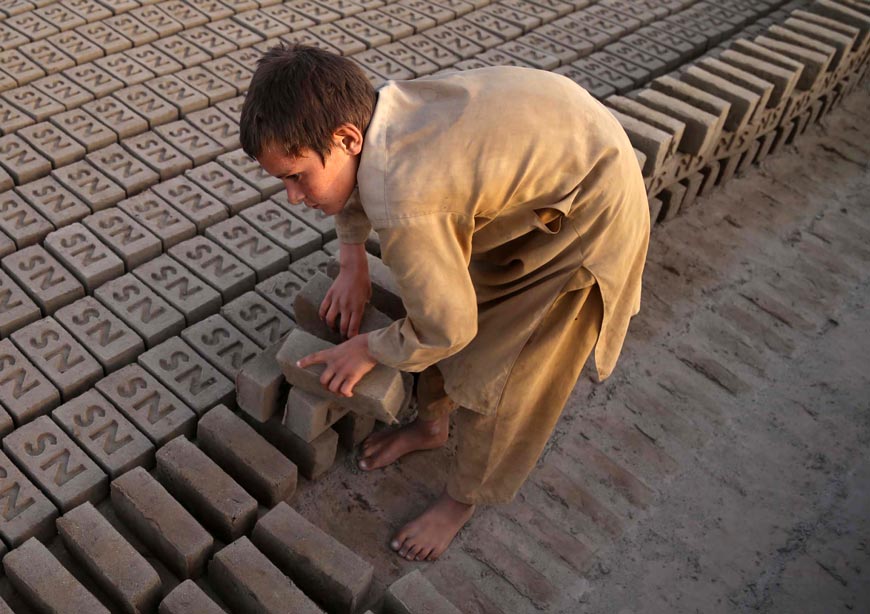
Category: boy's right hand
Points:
column 350, row 292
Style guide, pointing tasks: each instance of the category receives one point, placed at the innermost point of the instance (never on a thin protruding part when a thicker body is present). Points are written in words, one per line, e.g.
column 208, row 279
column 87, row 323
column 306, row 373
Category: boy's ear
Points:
column 349, row 138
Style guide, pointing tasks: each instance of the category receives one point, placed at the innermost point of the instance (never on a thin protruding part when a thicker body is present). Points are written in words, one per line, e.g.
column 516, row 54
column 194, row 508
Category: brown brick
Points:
column 192, row 201
column 233, row 192
column 160, row 521
column 308, row 415
column 87, row 257
column 174, row 282
column 113, row 442
column 743, row 101
column 205, row 489
column 45, row 583
column 118, row 568
column 153, row 319
column 702, row 129
column 218, row 126
column 24, row 390
column 414, row 593
column 52, row 143
column 16, row 308
column 47, row 282
column 112, row 112
column 182, row 95
column 121, row 66
column 148, row 104
column 20, row 221
column 283, row 228
column 53, row 461
column 162, row 157
column 250, row 246
column 90, row 185
column 188, row 598
column 260, row 384
column 54, row 202
column 148, row 404
column 246, row 456
column 156, row 215
column 655, row 118
column 654, row 143
column 257, row 318
column 26, row 511
column 352, row 429
column 249, row 582
column 312, row 458
column 782, row 79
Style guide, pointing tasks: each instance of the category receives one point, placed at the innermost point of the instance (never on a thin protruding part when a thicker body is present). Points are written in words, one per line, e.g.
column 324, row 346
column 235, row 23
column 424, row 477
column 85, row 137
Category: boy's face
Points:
column 325, row 187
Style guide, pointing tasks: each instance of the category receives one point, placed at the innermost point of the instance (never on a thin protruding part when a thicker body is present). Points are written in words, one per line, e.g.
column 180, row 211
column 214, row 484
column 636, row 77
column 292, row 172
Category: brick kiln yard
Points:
column 146, row 262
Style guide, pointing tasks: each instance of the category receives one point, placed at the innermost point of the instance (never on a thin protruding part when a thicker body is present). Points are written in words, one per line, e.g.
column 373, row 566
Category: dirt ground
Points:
column 725, row 466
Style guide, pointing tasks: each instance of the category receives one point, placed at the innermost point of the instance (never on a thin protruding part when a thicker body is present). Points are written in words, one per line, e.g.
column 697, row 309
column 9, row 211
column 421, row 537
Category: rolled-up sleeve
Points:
column 429, row 257
column 351, row 223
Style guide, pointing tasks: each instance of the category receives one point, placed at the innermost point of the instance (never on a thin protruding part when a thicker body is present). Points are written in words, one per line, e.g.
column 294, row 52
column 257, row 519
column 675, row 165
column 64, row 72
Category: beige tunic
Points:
column 489, row 189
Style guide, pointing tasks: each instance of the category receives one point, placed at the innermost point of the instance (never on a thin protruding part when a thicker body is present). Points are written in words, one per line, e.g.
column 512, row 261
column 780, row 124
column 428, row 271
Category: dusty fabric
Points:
column 489, row 189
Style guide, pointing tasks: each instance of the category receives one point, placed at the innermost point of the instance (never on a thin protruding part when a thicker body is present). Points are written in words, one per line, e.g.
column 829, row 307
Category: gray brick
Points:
column 319, row 221
column 352, row 429
column 414, row 593
column 221, row 343
column 122, row 119
column 17, row 309
column 125, row 68
column 249, row 170
column 205, row 489
column 53, row 201
column 743, row 101
column 308, row 415
column 162, row 220
column 53, row 461
column 188, row 598
column 341, row 40
column 154, row 59
column 246, row 456
column 47, row 282
column 85, row 255
column 21, row 160
column 91, row 186
column 320, row 565
column 24, row 391
column 281, row 289
column 312, row 458
column 308, row 265
column 68, row 365
column 21, row 222
column 143, row 310
column 186, row 137
column 162, row 157
column 148, row 404
column 128, row 239
column 234, row 193
column 249, row 582
column 205, row 82
column 702, row 129
column 189, row 376
column 160, row 521
column 216, row 266
column 28, row 513
column 410, row 59
column 263, row 256
column 117, row 567
column 197, row 205
column 45, row 583
column 174, row 282
column 257, row 318
column 283, row 228
column 218, row 126
column 148, row 104
column 182, row 95
column 110, row 340
column 260, row 384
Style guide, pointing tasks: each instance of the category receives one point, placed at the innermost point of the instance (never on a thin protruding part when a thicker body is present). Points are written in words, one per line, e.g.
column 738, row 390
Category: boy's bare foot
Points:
column 384, row 447
column 426, row 537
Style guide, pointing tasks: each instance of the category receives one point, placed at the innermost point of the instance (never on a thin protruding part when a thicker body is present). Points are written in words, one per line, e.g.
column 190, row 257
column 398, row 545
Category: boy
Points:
column 511, row 210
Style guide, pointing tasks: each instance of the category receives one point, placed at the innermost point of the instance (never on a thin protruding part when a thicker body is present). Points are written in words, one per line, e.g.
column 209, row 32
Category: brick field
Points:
column 154, row 456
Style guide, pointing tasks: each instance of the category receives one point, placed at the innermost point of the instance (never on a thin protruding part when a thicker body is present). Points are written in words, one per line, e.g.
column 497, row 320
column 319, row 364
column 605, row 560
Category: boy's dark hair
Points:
column 299, row 95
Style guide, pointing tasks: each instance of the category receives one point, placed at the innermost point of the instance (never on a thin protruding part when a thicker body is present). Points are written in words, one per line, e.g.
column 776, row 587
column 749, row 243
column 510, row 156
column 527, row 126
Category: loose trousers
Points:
column 496, row 453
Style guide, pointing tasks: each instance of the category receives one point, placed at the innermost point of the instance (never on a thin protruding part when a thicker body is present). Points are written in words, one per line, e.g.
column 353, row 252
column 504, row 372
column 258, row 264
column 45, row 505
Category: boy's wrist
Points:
column 352, row 256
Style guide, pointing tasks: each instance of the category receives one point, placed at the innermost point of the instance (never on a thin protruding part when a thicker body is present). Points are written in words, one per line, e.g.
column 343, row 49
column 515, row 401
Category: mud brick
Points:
column 157, row 19
column 672, row 200
column 205, row 489
column 652, row 117
column 179, row 93
column 122, row 167
column 702, row 129
column 148, row 404
column 114, row 443
column 741, row 78
column 853, row 15
column 160, row 521
column 89, row 10
column 200, row 207
column 557, row 43
column 183, row 13
column 581, row 26
column 152, row 317
column 222, row 36
column 413, row 61
column 111, row 341
column 743, row 101
column 125, row 68
column 106, row 38
column 382, row 65
column 308, row 265
column 258, row 319
column 24, row 390
column 50, row 143
column 63, row 90
column 303, row 37
column 235, row 75
column 283, row 228
column 431, row 50
column 526, row 15
column 653, row 63
column 214, row 88
column 477, row 62
column 28, row 513
column 294, row 21
column 250, row 246
column 21, row 160
column 195, row 144
column 16, row 308
column 430, row 16
column 249, row 170
column 233, row 192
column 250, row 582
column 215, row 265
column 655, row 209
column 334, row 39
column 11, row 38
column 530, row 55
column 842, row 43
column 352, row 429
column 85, row 255
column 636, row 73
column 694, row 96
column 188, row 598
column 604, row 74
column 53, row 461
column 79, row 48
column 346, row 8
column 34, row 102
column 791, row 37
column 448, row 39
column 281, row 289
column 805, row 78
column 167, row 224
column 12, row 118
column 389, row 24
column 386, row 297
column 483, row 28
column 117, row 567
column 262, row 23
column 162, row 158
column 308, row 415
column 124, row 236
column 131, row 28
column 834, row 25
column 380, row 393
column 180, row 287
column 320, row 565
column 217, row 126
column 653, row 142
column 783, row 80
column 31, row 25
column 221, row 343
column 250, row 55
column 414, row 593
column 45, row 583
column 318, row 13
column 119, row 117
column 306, row 306
column 675, row 42
column 815, row 63
column 313, row 458
column 47, row 282
column 59, row 16
column 154, row 59
column 47, row 56
column 18, row 66
column 714, row 29
column 260, row 385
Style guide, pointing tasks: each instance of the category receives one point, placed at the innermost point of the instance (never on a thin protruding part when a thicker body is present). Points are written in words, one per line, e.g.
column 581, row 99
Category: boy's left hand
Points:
column 346, row 364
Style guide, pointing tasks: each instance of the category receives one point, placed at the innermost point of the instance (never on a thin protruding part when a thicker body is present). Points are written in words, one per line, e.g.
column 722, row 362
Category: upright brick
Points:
column 246, row 456
column 175, row 283
column 118, row 568
column 45, row 583
column 215, row 265
column 221, row 343
column 53, row 461
column 250, row 582
column 188, row 598
column 312, row 458
column 26, row 511
column 260, row 384
column 308, row 415
column 352, row 429
column 414, row 593
column 160, row 521
column 743, row 101
column 205, row 489
column 112, row 441
column 329, row 572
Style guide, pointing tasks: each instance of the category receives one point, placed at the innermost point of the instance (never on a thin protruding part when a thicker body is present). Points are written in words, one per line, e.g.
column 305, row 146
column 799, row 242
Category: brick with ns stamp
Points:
column 32, row 25
column 133, row 29
column 52, row 143
column 110, row 340
column 125, row 68
column 21, row 160
column 61, row 89
column 27, row 513
column 16, row 308
column 142, row 309
column 182, row 95
column 449, row 40
column 89, row 184
column 262, row 23
column 79, row 48
column 233, row 192
column 154, row 59
column 157, row 19
column 215, row 265
column 257, row 318
column 106, row 38
column 122, row 167
column 111, row 112
column 133, row 243
column 249, row 170
column 175, row 283
column 94, row 79
column 12, row 118
column 181, row 369
column 47, row 55
column 285, row 229
column 221, row 343
column 253, row 248
column 281, row 289
column 186, row 137
column 50, row 458
column 20, row 221
column 44, row 279
column 210, row 43
column 85, row 255
column 155, row 215
column 148, row 404
column 312, row 263
column 217, row 126
column 193, row 202
column 24, row 391
column 183, row 51
column 235, row 74
column 232, row 32
column 162, row 157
